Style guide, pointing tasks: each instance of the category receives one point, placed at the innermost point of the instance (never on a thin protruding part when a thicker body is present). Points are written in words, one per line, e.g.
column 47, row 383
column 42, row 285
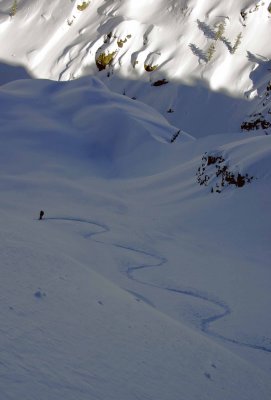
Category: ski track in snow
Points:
column 160, row 261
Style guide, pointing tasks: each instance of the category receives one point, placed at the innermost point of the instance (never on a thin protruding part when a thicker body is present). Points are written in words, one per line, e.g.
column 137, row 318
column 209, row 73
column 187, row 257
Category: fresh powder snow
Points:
column 149, row 275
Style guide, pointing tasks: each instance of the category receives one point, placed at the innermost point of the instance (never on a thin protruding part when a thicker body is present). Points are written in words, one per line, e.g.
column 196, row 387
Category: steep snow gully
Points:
column 158, row 261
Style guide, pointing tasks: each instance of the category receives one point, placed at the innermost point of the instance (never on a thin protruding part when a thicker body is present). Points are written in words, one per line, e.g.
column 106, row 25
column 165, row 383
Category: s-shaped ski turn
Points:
column 158, row 262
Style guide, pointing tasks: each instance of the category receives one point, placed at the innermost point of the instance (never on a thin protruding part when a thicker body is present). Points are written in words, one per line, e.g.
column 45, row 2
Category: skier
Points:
column 41, row 214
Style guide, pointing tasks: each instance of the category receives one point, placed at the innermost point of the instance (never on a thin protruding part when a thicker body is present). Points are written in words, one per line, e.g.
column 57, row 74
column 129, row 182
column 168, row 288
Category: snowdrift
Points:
column 81, row 121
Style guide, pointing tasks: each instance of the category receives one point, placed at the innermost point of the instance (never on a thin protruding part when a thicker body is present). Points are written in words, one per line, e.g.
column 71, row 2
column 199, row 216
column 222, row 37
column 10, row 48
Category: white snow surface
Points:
column 139, row 283
column 59, row 40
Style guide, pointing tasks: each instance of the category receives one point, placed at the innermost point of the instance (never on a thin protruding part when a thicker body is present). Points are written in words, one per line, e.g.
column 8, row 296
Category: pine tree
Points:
column 210, row 52
column 236, row 43
column 13, row 9
column 220, row 31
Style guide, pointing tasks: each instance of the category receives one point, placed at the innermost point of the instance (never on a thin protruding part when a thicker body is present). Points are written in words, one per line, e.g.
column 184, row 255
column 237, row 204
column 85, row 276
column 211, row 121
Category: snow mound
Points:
column 85, row 121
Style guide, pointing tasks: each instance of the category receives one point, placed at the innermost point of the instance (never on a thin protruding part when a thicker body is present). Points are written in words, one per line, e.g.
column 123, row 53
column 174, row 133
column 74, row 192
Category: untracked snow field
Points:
column 139, row 283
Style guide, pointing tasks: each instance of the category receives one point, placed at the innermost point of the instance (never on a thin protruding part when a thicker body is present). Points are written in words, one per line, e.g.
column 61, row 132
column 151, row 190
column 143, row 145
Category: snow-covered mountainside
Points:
column 166, row 53
column 139, row 283
column 144, row 138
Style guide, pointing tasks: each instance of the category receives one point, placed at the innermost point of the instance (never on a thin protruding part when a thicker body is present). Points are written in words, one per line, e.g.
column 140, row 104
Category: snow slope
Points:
column 139, row 283
column 150, row 276
column 118, row 142
column 208, row 52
